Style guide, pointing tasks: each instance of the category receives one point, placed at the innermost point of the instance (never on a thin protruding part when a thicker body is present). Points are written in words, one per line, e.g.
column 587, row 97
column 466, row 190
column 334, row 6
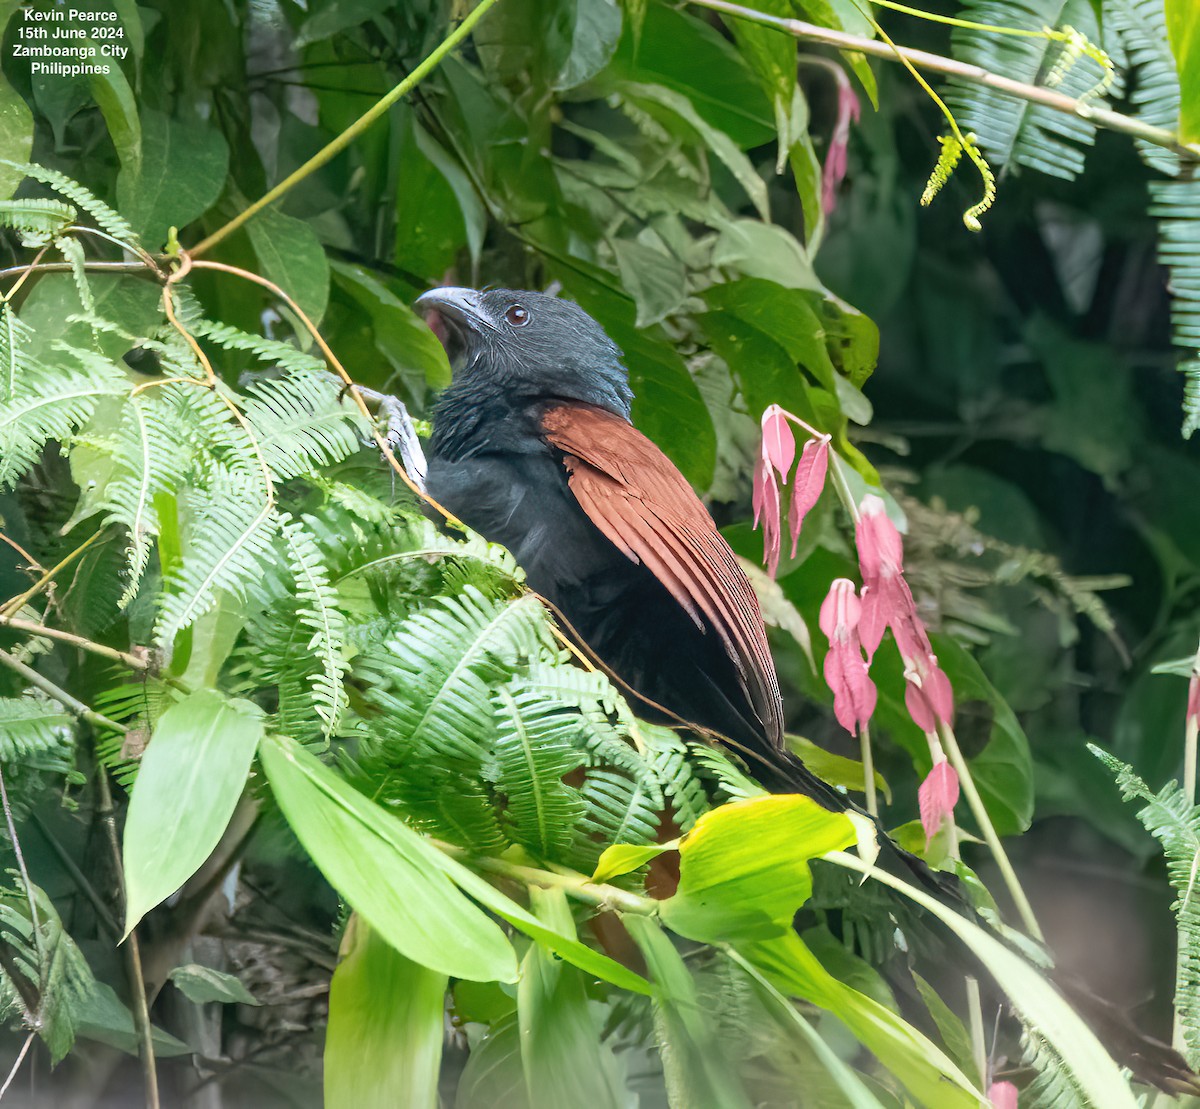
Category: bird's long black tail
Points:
column 1149, row 1059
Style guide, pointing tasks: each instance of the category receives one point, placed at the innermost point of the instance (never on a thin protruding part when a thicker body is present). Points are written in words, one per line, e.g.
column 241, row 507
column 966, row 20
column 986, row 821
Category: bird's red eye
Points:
column 517, row 316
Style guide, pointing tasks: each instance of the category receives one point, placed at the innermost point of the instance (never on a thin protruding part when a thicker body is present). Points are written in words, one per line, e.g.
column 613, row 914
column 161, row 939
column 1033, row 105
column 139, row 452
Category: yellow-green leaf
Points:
column 744, row 867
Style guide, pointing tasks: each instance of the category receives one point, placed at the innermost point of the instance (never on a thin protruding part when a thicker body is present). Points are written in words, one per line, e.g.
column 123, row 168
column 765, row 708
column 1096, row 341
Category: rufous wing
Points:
column 634, row 494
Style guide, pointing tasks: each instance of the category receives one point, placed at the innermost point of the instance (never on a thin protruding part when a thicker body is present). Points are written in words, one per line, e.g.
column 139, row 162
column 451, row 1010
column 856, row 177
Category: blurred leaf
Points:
column 594, row 37
column 105, row 1018
column 203, row 984
column 119, row 108
column 188, row 784
column 180, row 175
column 743, row 868
column 837, row 770
column 385, row 870
column 1039, row 1004
column 430, row 221
column 291, row 255
column 696, row 1067
column 953, row 1032
column 493, row 1077
column 383, row 1045
column 16, row 135
column 927, row 1073
column 767, row 251
column 678, row 109
column 656, row 280
column 564, row 1060
column 327, row 21
column 1183, row 29
column 404, row 339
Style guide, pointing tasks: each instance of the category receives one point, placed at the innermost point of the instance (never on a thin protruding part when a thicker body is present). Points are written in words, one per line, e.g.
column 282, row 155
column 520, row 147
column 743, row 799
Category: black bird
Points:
column 533, row 448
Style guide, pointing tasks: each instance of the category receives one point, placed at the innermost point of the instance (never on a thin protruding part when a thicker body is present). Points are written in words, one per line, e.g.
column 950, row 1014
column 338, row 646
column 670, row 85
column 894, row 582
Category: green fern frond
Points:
column 38, row 221
column 137, row 705
column 668, row 754
column 106, row 219
column 1141, row 29
column 1012, row 131
column 1176, row 206
column 48, row 404
column 430, row 679
column 299, row 423
column 1172, row 820
column 72, row 250
column 318, row 615
column 14, row 361
column 1053, row 1086
column 618, row 809
column 34, row 731
column 229, row 547
column 535, row 746
column 271, row 351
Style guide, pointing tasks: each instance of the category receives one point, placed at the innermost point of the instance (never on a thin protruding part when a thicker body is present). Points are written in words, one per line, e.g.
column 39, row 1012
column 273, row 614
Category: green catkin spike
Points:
column 1076, row 45
column 971, row 215
column 947, row 160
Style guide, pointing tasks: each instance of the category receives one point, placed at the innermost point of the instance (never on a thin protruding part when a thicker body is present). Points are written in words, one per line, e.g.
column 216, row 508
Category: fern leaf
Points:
column 318, row 615
column 534, row 748
column 1176, row 205
column 228, row 548
column 38, row 221
column 49, row 404
column 34, row 731
column 619, row 809
column 14, row 338
column 1141, row 28
column 431, row 678
column 1017, row 132
column 1175, row 823
column 668, row 754
column 300, row 425
column 271, row 351
column 106, row 219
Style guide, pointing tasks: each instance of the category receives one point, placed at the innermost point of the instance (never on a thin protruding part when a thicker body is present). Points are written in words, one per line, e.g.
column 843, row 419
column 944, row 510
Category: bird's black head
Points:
column 531, row 343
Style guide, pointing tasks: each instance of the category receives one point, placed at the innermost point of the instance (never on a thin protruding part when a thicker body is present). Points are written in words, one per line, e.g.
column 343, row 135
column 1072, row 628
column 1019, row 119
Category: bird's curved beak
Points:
column 458, row 307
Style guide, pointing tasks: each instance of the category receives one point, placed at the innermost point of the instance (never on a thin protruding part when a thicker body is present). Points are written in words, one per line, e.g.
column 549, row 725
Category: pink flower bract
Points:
column 937, row 797
column 854, row 694
column 810, row 481
column 1002, row 1095
column 778, row 442
column 766, row 509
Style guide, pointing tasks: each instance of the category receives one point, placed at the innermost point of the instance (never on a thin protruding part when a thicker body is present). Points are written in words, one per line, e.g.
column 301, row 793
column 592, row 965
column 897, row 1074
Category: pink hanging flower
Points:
column 778, row 442
column 1193, row 701
column 834, row 170
column 810, row 481
column 766, row 509
column 1002, row 1095
column 888, row 602
column 854, row 693
column 928, row 695
column 937, row 796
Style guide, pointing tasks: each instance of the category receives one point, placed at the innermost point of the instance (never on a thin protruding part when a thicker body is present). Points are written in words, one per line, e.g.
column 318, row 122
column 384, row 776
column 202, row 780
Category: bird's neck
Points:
column 478, row 417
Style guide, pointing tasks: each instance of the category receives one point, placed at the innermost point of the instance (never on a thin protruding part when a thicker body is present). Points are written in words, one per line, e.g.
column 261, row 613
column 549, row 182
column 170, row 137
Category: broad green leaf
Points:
column 695, row 1065
column 765, row 250
column 927, row 1073
column 188, row 784
column 180, row 176
column 954, row 1033
column 564, row 1060
column 328, row 19
column 622, row 858
column 743, row 868
column 119, row 108
column 390, row 874
column 1183, row 30
column 383, row 1045
column 202, row 984
column 493, row 1077
column 1037, row 1002
column 594, row 37
column 291, row 255
column 16, row 135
